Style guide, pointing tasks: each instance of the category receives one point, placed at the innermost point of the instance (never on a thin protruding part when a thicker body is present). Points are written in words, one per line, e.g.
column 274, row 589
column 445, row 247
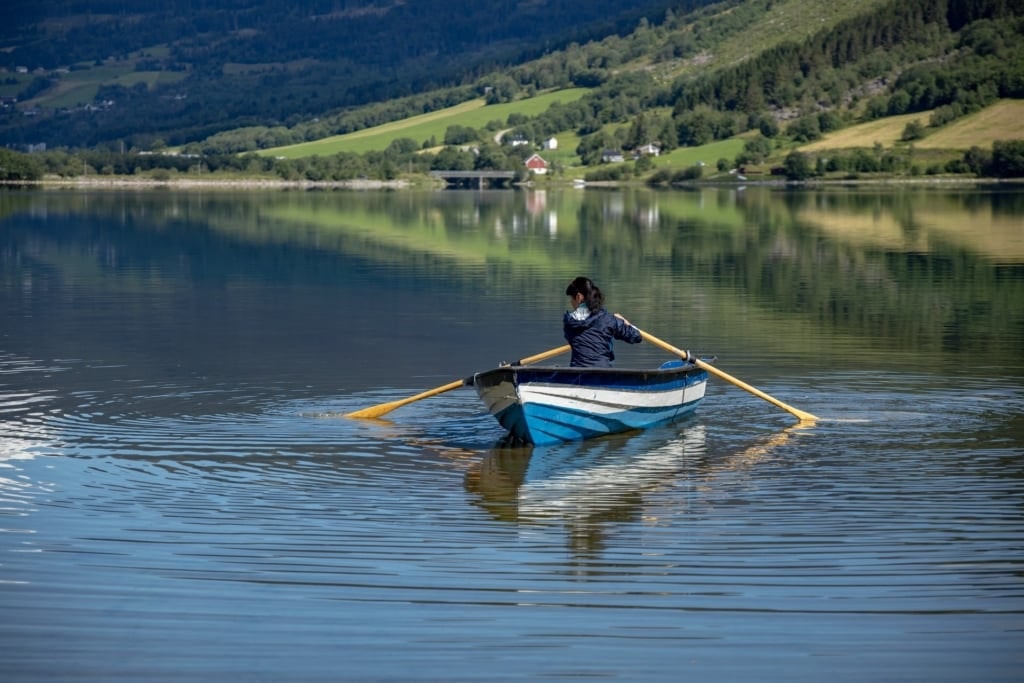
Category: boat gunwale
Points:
column 536, row 372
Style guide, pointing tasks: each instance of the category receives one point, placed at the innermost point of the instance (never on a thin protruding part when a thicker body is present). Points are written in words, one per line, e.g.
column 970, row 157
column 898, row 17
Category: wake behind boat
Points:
column 548, row 405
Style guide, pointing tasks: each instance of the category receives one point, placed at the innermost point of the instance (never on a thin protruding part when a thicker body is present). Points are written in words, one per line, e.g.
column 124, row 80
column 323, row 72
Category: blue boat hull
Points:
column 544, row 406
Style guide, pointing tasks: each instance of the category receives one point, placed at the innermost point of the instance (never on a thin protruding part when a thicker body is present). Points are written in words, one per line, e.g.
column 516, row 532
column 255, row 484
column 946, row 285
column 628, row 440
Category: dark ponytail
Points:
column 592, row 295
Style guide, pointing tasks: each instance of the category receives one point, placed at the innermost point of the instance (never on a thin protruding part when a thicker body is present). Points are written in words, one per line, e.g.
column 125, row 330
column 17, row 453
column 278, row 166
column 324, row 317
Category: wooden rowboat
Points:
column 548, row 405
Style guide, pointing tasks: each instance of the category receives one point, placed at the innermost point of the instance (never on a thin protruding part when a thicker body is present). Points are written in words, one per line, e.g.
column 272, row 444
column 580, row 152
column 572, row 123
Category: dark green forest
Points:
column 278, row 62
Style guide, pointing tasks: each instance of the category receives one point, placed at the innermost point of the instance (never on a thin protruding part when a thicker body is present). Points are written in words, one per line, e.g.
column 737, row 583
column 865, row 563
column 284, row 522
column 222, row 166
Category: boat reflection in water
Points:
column 585, row 485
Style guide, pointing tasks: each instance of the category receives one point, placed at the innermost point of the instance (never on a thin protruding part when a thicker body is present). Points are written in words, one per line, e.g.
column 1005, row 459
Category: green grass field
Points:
column 19, row 82
column 473, row 114
column 75, row 92
column 1003, row 120
column 885, row 132
column 79, row 87
column 709, row 154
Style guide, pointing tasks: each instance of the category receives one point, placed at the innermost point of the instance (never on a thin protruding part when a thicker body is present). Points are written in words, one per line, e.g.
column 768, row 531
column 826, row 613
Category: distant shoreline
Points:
column 122, row 182
column 130, row 183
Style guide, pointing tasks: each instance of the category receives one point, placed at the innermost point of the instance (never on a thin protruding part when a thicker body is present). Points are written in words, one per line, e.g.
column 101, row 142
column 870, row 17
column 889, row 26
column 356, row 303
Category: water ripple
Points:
column 732, row 515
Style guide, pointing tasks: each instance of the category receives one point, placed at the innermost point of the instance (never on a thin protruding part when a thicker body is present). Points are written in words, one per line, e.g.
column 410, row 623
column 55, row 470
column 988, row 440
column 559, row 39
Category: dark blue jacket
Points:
column 591, row 339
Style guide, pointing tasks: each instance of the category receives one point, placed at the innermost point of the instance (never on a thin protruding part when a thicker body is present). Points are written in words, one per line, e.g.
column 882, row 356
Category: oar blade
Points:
column 384, row 408
column 375, row 411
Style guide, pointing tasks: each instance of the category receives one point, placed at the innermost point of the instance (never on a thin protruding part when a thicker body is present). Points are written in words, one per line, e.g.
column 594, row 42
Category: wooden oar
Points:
column 805, row 417
column 384, row 408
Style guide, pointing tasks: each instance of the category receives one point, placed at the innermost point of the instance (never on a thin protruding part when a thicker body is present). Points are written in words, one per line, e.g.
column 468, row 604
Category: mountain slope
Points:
column 696, row 72
column 239, row 62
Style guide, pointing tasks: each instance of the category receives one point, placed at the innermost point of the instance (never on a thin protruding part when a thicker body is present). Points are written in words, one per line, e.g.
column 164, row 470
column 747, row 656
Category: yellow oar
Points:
column 806, row 417
column 384, row 408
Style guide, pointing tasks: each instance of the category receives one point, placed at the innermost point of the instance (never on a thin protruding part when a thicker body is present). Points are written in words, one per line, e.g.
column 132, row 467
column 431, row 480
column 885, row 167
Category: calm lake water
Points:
column 182, row 500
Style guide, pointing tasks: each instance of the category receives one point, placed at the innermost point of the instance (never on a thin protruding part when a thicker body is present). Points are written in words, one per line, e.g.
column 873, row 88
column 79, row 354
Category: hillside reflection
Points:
column 930, row 269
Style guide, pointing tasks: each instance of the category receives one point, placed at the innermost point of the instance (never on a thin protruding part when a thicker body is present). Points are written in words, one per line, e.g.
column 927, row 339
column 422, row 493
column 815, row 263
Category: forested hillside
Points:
column 769, row 75
column 105, row 70
column 686, row 82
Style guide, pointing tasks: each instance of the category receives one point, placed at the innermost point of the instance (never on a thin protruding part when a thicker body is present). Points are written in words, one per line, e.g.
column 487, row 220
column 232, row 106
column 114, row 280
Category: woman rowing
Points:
column 590, row 329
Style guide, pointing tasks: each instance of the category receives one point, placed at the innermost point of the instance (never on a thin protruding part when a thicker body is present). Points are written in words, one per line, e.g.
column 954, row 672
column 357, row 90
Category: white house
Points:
column 612, row 156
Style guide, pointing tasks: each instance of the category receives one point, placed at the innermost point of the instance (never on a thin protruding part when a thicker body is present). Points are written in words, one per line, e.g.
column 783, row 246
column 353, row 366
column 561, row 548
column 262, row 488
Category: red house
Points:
column 537, row 165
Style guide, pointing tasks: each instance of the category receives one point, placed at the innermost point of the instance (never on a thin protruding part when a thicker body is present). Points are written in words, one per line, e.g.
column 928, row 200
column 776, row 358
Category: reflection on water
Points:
column 581, row 482
column 584, row 486
column 931, row 270
column 181, row 500
column 985, row 223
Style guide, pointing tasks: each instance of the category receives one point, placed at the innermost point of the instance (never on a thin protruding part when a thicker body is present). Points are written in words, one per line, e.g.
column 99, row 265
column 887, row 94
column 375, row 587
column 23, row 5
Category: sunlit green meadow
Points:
column 473, row 114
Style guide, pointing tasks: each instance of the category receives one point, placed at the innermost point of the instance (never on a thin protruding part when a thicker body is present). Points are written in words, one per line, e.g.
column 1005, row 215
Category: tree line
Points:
column 1005, row 159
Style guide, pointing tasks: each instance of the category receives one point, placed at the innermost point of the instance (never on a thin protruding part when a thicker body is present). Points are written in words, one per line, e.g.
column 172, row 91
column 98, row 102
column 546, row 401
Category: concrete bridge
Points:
column 475, row 178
